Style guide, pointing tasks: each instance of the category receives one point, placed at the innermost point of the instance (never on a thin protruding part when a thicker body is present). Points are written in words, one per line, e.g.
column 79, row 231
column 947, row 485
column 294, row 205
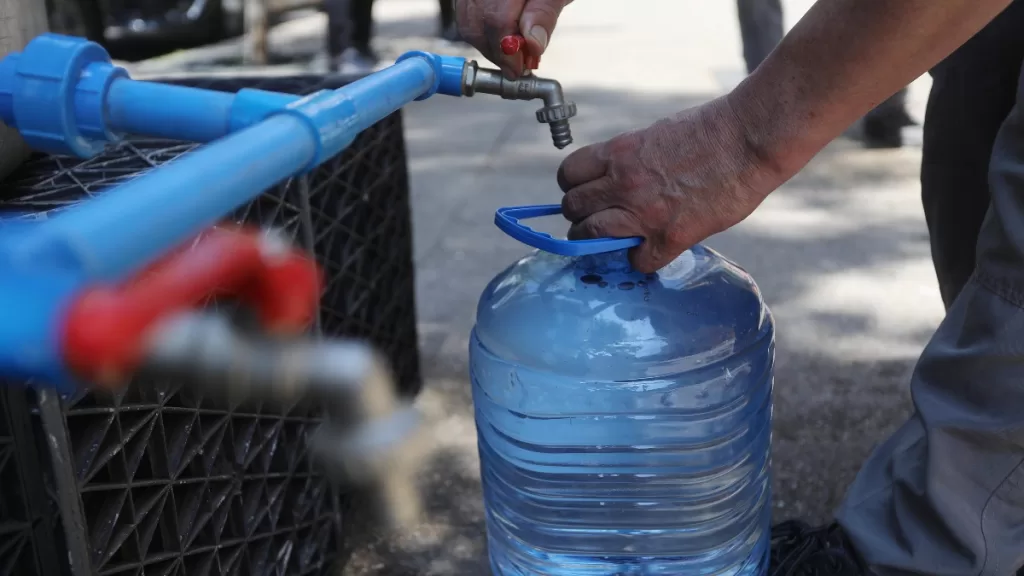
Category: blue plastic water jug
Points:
column 624, row 419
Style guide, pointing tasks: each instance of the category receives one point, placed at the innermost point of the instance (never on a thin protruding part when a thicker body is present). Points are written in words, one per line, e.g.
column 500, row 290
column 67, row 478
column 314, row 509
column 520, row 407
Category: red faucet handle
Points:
column 512, row 44
column 106, row 326
column 517, row 43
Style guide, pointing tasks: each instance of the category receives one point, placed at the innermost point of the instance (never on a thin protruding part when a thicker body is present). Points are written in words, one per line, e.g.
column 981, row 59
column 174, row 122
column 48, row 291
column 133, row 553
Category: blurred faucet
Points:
column 369, row 437
column 556, row 111
column 153, row 325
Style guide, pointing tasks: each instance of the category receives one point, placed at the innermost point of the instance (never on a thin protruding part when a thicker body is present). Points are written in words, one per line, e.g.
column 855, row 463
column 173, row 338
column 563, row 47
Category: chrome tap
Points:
column 556, row 111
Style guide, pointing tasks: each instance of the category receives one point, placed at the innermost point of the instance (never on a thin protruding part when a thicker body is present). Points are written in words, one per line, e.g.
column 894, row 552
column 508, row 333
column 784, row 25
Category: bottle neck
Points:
column 606, row 263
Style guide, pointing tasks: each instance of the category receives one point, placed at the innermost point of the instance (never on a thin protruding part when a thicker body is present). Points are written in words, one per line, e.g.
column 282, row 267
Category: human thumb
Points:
column 538, row 22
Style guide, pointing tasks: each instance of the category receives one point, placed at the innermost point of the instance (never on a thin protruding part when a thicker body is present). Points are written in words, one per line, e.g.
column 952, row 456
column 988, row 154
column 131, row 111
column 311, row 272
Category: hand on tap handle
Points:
column 486, row 24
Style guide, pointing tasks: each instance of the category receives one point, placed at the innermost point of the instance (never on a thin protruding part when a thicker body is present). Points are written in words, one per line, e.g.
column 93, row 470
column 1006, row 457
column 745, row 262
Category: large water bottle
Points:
column 624, row 420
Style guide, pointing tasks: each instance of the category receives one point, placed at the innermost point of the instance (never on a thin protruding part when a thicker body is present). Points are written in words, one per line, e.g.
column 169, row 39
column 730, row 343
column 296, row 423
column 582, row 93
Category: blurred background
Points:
column 840, row 252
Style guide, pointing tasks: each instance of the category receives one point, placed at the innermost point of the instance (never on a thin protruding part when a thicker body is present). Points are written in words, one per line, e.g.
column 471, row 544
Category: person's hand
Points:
column 483, row 23
column 674, row 184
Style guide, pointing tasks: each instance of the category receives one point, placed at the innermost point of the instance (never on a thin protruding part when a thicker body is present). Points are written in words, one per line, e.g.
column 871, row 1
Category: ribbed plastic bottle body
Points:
column 624, row 420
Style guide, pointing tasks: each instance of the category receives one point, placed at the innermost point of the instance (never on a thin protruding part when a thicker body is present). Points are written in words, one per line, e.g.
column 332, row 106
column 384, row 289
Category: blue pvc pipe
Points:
column 115, row 234
column 198, row 115
column 167, row 111
column 185, row 113
column 379, row 94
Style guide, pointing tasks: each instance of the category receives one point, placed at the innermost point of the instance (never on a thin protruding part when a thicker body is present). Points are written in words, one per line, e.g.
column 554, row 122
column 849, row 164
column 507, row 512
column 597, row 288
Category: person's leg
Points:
column 362, row 24
column 972, row 93
column 339, row 26
column 447, row 13
column 349, row 24
column 349, row 29
column 945, row 494
column 883, row 126
column 761, row 28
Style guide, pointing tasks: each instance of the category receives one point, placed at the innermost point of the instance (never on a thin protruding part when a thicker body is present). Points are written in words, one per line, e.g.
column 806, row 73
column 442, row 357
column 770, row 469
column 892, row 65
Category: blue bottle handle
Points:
column 508, row 220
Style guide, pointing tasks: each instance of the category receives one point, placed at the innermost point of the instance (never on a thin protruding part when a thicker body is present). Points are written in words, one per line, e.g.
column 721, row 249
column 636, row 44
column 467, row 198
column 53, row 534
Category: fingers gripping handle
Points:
column 508, row 219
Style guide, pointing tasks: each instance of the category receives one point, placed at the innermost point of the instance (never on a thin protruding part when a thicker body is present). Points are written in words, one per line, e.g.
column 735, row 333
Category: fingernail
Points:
column 539, row 34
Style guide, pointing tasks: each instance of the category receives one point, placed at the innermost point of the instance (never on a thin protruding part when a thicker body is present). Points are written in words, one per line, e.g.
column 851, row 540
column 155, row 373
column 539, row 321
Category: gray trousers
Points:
column 944, row 495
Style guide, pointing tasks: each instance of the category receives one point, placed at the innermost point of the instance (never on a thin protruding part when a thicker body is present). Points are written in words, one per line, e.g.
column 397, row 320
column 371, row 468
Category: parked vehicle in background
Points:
column 134, row 29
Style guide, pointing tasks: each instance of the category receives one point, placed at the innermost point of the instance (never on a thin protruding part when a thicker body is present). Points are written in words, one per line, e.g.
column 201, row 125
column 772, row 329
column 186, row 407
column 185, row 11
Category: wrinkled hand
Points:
column 674, row 183
column 483, row 23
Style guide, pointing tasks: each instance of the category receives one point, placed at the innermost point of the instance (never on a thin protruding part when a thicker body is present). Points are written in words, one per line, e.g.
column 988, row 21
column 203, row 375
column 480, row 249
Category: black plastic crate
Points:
column 27, row 524
column 160, row 480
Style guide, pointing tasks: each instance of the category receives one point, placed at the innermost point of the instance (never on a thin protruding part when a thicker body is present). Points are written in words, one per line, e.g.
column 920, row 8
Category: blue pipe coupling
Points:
column 53, row 92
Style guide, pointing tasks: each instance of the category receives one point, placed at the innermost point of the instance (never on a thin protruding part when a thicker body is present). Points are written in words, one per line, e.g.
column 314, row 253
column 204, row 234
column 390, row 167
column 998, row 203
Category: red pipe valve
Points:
column 107, row 327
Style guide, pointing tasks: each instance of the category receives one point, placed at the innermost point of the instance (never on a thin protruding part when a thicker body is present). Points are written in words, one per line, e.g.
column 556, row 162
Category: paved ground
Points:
column 840, row 252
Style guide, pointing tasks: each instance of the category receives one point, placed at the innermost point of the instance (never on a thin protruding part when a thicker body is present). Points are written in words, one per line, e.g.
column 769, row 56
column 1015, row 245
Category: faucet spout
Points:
column 556, row 111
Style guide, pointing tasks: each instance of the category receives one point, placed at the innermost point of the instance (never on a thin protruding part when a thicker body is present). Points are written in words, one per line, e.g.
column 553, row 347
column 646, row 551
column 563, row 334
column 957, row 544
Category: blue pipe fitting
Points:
column 90, row 101
column 448, row 72
column 251, row 106
column 185, row 113
column 329, row 117
column 168, row 111
column 39, row 89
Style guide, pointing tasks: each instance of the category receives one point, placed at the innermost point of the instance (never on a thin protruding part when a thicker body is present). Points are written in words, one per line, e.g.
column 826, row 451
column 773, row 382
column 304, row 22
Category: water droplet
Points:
column 641, row 283
column 626, row 285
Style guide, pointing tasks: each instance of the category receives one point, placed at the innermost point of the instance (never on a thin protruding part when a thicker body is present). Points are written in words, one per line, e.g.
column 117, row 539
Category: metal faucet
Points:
column 556, row 111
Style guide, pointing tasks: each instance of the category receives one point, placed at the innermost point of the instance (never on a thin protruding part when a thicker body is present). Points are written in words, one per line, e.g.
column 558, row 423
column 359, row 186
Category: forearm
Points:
column 841, row 60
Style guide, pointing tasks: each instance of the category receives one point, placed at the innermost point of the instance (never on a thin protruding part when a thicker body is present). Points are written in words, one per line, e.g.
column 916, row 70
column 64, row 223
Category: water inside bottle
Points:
column 624, row 420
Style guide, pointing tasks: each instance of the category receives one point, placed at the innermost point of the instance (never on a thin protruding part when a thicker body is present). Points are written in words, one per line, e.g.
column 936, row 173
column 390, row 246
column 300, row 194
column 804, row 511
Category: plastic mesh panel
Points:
column 166, row 481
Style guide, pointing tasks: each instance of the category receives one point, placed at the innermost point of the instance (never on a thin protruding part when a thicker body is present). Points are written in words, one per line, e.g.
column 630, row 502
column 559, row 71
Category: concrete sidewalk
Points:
column 841, row 251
